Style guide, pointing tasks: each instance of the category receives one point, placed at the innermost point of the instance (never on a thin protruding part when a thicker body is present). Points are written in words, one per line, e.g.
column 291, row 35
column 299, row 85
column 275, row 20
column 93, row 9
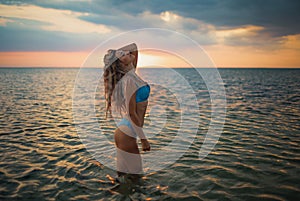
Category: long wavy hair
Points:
column 112, row 75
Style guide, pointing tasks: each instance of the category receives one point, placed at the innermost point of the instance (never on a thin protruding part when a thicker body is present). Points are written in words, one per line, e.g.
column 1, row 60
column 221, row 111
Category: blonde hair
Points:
column 112, row 75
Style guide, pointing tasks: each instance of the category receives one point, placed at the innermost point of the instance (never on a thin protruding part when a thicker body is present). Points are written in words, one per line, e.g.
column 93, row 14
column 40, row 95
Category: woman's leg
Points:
column 128, row 155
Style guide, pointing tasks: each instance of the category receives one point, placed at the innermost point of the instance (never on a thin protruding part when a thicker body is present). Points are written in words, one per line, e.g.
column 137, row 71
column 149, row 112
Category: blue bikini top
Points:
column 142, row 93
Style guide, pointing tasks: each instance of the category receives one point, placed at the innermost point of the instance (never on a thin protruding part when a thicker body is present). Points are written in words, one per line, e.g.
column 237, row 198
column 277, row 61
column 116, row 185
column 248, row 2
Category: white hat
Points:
column 112, row 56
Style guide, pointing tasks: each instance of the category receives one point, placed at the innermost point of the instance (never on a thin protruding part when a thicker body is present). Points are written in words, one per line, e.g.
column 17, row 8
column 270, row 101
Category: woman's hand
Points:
column 145, row 145
column 131, row 47
column 134, row 50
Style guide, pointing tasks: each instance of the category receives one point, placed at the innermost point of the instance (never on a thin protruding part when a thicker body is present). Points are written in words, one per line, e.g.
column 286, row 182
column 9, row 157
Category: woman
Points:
column 126, row 95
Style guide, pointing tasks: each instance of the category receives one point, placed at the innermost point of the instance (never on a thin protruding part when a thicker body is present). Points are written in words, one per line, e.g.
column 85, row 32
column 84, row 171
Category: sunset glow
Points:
column 42, row 59
column 38, row 35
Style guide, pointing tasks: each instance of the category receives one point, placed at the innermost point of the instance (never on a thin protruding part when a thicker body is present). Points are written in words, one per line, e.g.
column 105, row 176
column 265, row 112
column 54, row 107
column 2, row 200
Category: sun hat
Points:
column 111, row 56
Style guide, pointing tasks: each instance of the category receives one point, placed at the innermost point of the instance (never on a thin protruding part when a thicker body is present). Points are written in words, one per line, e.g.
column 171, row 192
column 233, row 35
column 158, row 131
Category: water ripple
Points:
column 256, row 158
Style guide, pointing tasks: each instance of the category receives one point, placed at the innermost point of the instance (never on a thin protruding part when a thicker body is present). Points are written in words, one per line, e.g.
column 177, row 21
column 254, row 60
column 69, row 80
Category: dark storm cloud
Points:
column 280, row 17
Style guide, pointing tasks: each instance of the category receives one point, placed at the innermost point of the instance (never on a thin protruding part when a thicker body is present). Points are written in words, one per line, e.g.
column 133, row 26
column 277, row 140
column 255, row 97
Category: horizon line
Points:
column 58, row 67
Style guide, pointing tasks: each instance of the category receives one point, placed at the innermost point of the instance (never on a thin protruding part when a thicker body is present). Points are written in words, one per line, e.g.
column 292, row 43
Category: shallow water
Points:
column 257, row 156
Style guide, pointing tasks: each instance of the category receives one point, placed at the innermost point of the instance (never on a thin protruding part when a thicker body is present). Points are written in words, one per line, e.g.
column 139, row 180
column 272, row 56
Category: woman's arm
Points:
column 137, row 123
column 133, row 49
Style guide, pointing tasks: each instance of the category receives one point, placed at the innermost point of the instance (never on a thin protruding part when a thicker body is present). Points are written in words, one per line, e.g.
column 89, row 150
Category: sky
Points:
column 233, row 33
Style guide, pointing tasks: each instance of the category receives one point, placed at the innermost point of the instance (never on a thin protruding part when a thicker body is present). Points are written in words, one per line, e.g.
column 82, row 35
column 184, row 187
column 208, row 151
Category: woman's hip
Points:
column 125, row 142
column 125, row 126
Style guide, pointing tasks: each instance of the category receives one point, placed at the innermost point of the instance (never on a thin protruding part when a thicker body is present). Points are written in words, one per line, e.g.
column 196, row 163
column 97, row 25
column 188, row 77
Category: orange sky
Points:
column 222, row 56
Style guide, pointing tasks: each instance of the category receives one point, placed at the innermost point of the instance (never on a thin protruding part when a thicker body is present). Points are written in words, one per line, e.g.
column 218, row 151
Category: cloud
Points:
column 4, row 21
column 209, row 34
column 248, row 35
column 52, row 19
column 278, row 17
column 17, row 39
column 42, row 36
column 292, row 42
column 74, row 25
column 169, row 16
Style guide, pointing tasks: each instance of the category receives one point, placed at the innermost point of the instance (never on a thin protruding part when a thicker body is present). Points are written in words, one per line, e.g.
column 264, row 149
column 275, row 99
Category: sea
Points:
column 55, row 147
